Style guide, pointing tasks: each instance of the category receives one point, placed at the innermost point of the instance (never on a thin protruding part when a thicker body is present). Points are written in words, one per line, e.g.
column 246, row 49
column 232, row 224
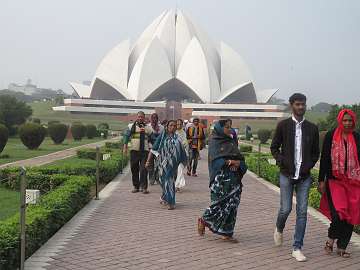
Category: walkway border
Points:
column 57, row 242
column 355, row 239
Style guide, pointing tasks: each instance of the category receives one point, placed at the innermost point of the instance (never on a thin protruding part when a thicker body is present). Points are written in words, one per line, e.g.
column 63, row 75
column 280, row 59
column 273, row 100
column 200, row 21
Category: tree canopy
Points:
column 331, row 120
column 13, row 112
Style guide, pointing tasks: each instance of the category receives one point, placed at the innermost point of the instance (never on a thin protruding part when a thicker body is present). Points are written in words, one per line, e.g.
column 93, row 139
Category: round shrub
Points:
column 103, row 133
column 78, row 131
column 264, row 135
column 91, row 131
column 32, row 135
column 53, row 122
column 57, row 132
column 103, row 126
column 4, row 135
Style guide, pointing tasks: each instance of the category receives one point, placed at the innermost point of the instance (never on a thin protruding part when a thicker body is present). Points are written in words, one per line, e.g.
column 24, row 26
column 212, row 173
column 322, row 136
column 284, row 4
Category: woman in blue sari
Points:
column 169, row 153
column 226, row 168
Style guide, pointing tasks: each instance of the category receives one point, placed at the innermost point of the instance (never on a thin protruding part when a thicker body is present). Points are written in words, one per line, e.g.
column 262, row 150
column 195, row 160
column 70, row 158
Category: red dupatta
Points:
column 338, row 151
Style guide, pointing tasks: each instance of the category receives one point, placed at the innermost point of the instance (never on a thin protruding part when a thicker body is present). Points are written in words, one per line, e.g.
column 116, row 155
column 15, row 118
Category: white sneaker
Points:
column 298, row 255
column 278, row 238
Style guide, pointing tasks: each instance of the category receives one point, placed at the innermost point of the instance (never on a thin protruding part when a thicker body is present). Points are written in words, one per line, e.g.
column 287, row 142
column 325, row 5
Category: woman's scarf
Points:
column 169, row 152
column 222, row 145
column 339, row 153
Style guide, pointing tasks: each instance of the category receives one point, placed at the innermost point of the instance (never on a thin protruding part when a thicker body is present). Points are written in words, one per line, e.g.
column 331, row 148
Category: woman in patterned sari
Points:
column 226, row 169
column 170, row 153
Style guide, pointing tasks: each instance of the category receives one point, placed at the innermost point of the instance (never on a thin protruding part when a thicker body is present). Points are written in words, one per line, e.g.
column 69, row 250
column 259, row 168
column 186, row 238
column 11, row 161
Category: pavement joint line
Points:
column 355, row 239
column 56, row 243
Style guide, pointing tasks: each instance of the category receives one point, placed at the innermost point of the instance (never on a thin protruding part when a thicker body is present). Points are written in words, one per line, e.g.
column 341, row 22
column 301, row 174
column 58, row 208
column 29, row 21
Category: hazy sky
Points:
column 308, row 46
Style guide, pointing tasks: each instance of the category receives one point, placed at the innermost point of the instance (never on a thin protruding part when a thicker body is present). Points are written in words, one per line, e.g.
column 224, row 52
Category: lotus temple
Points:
column 176, row 70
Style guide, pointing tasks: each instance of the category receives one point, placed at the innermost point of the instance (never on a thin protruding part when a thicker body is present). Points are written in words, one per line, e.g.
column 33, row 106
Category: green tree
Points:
column 13, row 112
column 264, row 135
column 59, row 100
column 4, row 135
column 32, row 135
column 331, row 120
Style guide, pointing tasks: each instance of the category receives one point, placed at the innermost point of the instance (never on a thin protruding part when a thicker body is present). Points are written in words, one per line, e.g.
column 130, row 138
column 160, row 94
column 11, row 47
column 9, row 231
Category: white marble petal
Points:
column 151, row 71
column 82, row 90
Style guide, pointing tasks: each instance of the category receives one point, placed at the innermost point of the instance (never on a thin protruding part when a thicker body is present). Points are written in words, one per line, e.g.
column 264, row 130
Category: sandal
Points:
column 343, row 253
column 230, row 239
column 328, row 247
column 163, row 202
column 201, row 226
column 171, row 207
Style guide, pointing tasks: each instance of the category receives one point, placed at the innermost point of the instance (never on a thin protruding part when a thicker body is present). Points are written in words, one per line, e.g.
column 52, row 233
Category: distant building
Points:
column 176, row 70
column 27, row 89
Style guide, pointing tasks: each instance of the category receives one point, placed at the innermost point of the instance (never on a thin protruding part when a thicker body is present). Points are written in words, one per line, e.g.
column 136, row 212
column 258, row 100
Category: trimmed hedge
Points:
column 57, row 132
column 245, row 148
column 91, row 131
column 32, row 135
column 78, row 131
column 89, row 153
column 48, row 177
column 43, row 219
column 4, row 136
column 34, row 179
column 113, row 145
column 70, row 189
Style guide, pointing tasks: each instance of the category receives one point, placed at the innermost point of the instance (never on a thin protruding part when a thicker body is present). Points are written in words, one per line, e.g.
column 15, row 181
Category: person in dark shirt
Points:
column 295, row 147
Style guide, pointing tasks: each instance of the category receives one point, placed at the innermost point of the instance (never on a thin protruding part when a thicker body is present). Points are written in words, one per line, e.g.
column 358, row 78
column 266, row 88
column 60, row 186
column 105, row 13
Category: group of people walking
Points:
column 295, row 147
column 162, row 152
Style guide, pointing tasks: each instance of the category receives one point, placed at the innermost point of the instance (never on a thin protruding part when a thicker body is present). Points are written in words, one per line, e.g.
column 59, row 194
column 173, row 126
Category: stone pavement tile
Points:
column 133, row 231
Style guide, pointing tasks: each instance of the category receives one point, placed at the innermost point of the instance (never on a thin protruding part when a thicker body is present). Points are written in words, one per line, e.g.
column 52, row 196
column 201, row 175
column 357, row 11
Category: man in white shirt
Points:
column 295, row 147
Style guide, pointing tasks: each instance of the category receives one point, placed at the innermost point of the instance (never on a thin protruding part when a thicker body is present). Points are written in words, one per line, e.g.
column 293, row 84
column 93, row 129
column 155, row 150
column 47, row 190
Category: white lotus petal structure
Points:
column 173, row 59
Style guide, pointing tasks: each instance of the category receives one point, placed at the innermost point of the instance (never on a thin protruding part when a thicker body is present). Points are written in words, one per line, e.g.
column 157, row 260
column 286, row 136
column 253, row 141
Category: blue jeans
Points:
column 302, row 188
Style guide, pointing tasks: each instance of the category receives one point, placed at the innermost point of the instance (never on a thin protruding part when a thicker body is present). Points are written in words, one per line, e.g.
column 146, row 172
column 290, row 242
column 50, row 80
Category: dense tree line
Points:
column 331, row 120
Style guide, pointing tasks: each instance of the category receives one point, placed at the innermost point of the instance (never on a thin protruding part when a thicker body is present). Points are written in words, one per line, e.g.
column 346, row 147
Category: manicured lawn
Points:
column 73, row 161
column 9, row 203
column 17, row 151
column 43, row 111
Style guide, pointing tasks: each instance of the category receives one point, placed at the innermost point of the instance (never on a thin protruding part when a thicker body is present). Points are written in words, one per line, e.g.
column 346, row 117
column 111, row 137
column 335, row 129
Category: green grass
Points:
column 9, row 203
column 74, row 160
column 17, row 151
column 43, row 111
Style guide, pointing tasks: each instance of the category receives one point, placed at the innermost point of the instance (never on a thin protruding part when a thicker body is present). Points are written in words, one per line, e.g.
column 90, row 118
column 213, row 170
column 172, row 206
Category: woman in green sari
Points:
column 226, row 168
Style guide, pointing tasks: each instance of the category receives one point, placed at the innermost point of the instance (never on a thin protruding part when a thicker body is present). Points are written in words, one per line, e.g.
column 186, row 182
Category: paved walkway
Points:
column 133, row 231
column 45, row 159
